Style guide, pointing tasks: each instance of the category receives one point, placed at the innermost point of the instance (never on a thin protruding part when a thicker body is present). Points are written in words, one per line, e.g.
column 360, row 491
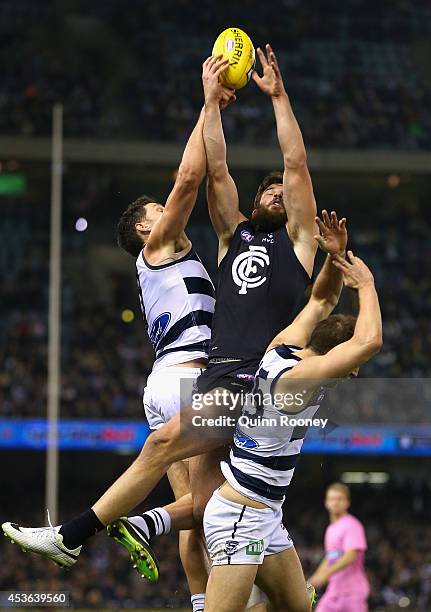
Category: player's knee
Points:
column 157, row 448
column 188, row 179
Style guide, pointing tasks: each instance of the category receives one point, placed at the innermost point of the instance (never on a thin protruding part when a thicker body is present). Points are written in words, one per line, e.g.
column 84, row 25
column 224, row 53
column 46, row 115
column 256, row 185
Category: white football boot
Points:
column 45, row 541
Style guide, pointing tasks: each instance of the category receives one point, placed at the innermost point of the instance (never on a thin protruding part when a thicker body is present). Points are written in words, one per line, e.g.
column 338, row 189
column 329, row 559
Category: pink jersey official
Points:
column 347, row 589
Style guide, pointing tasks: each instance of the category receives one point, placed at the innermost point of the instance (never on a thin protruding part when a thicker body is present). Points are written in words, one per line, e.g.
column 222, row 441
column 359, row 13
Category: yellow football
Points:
column 234, row 44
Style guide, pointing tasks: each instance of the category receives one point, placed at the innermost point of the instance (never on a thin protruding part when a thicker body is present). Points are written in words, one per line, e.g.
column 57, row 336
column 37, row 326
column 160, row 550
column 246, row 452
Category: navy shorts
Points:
column 233, row 375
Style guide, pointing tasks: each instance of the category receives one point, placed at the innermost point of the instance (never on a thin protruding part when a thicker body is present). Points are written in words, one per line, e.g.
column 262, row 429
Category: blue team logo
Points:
column 158, row 328
column 246, row 235
column 243, row 441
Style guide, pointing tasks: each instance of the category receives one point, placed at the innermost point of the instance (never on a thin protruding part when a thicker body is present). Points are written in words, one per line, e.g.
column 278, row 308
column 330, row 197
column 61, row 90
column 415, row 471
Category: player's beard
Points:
column 265, row 220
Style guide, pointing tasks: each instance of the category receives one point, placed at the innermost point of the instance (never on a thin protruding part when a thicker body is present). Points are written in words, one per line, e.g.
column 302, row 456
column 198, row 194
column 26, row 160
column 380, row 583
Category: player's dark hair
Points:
column 273, row 178
column 330, row 332
column 127, row 236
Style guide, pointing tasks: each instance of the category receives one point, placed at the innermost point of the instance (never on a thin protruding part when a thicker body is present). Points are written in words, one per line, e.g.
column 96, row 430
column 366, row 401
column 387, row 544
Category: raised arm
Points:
column 298, row 193
column 182, row 198
column 367, row 338
column 326, row 288
column 222, row 194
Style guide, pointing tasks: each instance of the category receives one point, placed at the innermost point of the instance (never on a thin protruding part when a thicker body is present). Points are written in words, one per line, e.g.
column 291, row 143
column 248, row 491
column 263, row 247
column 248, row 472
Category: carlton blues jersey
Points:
column 177, row 300
column 259, row 288
column 267, row 443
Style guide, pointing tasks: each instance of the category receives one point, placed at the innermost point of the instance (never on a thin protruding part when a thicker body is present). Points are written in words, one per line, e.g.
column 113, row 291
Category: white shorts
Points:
column 242, row 535
column 168, row 391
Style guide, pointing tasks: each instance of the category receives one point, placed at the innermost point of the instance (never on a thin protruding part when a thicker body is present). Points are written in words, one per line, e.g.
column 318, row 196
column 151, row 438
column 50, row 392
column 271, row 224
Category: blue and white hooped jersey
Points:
column 265, row 450
column 177, row 300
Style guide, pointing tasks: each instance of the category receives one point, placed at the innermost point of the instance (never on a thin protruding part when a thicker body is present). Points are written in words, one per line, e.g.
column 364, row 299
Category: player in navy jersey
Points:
column 243, row 525
column 265, row 262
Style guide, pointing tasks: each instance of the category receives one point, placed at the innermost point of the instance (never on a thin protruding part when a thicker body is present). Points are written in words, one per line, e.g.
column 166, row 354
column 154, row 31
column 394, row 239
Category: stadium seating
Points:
column 357, row 76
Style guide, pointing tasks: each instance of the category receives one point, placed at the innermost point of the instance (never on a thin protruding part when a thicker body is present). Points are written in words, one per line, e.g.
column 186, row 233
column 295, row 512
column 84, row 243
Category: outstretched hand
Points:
column 271, row 82
column 212, row 68
column 333, row 233
column 356, row 274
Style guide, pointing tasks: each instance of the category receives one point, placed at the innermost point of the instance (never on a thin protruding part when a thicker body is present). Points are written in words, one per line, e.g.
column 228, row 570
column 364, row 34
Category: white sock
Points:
column 198, row 602
column 153, row 522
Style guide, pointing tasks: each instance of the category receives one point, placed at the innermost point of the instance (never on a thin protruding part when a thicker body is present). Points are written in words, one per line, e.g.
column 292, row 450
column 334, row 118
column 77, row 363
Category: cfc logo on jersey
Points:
column 248, row 268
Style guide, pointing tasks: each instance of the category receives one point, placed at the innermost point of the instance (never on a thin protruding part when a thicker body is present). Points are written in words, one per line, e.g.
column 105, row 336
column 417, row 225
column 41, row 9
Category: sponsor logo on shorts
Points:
column 230, row 547
column 249, row 377
column 254, row 547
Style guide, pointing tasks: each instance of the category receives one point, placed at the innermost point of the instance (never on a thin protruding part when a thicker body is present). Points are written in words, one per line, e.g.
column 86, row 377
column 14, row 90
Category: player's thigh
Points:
column 229, row 587
column 178, row 476
column 282, row 579
column 205, row 477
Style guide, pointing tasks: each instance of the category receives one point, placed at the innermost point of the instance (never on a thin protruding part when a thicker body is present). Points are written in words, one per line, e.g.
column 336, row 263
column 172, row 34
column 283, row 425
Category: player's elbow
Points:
column 371, row 345
column 330, row 303
column 295, row 159
column 375, row 343
column 217, row 171
column 188, row 179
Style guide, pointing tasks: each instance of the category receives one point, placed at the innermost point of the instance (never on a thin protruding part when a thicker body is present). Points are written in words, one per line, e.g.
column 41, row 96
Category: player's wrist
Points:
column 279, row 96
column 211, row 102
column 365, row 285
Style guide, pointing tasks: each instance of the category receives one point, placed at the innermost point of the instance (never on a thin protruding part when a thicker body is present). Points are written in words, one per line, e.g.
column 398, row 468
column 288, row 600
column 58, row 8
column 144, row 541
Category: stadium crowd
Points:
column 106, row 361
column 357, row 72
column 398, row 560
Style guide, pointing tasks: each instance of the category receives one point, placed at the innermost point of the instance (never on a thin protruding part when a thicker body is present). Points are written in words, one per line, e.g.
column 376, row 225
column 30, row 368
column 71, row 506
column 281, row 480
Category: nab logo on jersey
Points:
column 159, row 327
column 248, row 268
